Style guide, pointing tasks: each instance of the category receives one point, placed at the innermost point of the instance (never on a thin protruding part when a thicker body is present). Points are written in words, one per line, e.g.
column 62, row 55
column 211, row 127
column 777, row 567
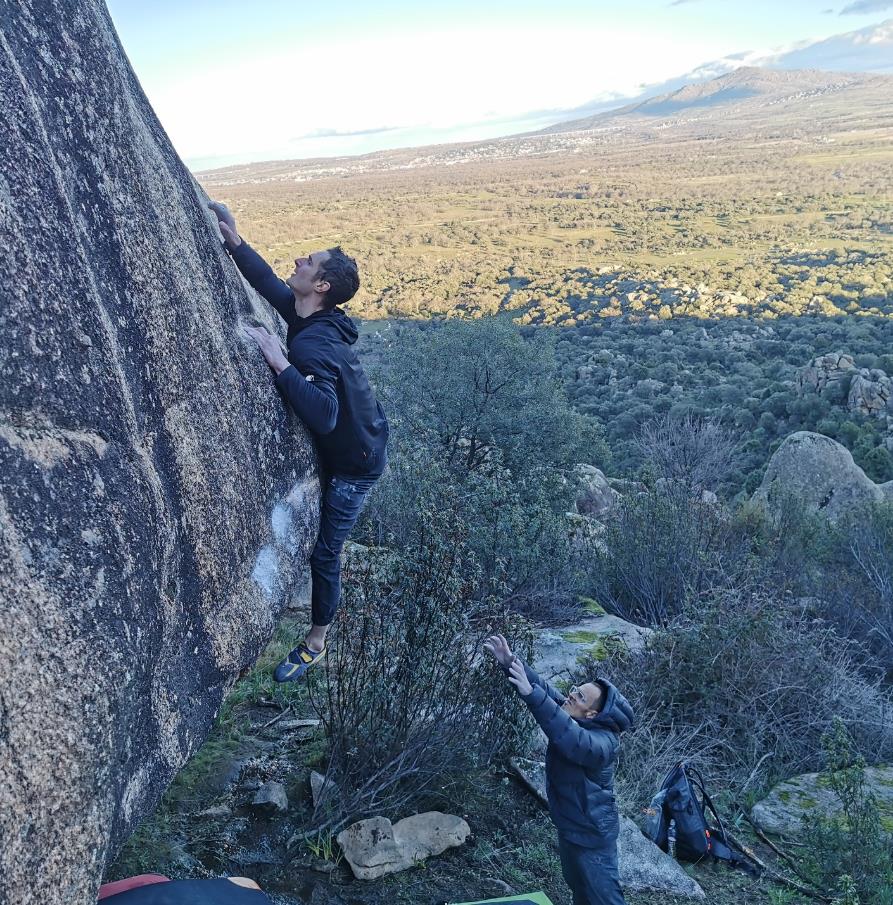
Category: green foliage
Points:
column 850, row 851
column 323, row 846
column 739, row 370
column 482, row 427
column 476, row 393
column 740, row 675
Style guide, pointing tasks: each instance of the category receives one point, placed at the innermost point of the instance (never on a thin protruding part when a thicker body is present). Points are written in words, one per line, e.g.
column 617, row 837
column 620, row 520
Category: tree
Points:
column 473, row 392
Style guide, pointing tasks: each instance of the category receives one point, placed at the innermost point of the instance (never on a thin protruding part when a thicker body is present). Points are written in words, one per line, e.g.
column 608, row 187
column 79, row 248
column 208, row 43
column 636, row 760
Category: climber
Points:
column 583, row 731
column 323, row 381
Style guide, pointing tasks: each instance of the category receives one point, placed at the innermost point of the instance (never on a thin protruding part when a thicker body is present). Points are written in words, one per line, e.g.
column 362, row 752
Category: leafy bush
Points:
column 742, row 680
column 482, row 426
column 851, row 851
column 467, row 391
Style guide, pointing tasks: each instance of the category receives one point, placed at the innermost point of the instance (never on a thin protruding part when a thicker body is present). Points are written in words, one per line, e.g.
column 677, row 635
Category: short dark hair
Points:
column 341, row 273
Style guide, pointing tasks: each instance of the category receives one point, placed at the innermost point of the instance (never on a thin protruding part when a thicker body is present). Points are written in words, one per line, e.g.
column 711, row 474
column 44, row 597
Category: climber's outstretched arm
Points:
column 253, row 267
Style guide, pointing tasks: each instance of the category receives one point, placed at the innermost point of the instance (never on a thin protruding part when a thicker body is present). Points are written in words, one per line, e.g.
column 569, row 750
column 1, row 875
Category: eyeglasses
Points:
column 576, row 694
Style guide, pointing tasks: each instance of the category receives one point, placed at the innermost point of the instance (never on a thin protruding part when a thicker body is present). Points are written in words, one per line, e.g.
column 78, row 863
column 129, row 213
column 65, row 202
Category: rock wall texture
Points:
column 157, row 501
column 820, row 475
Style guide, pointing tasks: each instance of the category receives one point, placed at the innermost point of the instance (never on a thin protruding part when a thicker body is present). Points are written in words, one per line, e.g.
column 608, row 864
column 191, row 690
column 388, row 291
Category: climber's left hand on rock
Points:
column 269, row 346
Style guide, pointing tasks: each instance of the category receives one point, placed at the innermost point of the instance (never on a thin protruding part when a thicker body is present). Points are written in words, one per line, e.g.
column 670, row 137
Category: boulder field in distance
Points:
column 157, row 500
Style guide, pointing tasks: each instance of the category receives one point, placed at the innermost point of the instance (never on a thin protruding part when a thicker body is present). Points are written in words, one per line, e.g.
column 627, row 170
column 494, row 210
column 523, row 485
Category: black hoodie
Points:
column 580, row 762
column 325, row 384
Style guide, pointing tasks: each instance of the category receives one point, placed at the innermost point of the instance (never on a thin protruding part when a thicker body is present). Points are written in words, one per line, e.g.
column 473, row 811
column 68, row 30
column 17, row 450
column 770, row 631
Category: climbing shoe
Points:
column 296, row 664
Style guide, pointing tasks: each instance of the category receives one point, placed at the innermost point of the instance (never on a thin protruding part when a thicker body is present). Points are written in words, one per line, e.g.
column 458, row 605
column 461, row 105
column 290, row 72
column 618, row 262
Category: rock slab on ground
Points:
column 158, row 499
column 782, row 811
column 643, row 866
column 559, row 651
column 376, row 847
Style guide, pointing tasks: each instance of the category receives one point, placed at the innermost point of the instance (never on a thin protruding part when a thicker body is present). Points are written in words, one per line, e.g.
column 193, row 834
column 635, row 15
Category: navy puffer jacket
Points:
column 580, row 762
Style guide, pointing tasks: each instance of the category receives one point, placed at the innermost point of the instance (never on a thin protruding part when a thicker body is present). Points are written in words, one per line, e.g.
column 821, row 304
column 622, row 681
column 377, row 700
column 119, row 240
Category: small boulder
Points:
column 782, row 811
column 596, row 498
column 559, row 651
column 270, row 799
column 320, row 788
column 644, row 867
column 375, row 847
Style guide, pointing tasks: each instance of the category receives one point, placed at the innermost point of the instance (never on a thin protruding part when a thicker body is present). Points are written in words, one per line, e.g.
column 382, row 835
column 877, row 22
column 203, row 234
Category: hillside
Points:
column 798, row 97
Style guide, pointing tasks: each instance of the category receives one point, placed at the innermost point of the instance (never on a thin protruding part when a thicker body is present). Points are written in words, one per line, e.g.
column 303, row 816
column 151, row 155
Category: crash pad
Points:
column 529, row 898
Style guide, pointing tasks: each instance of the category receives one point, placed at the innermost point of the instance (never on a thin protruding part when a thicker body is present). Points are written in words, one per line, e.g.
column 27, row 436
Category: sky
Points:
column 253, row 80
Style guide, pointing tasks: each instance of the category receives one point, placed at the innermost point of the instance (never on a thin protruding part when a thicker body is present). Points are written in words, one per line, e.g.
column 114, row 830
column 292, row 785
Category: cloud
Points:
column 860, row 7
column 681, row 2
column 339, row 133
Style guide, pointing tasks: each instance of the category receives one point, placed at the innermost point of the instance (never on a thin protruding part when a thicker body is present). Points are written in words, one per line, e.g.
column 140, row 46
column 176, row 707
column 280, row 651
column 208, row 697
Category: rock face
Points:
column 831, row 370
column 157, row 501
column 783, row 809
column 821, row 475
column 871, row 393
column 867, row 391
column 376, row 847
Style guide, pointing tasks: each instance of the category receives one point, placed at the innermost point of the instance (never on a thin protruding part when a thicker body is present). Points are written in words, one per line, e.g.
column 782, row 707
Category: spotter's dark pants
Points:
column 591, row 873
column 342, row 502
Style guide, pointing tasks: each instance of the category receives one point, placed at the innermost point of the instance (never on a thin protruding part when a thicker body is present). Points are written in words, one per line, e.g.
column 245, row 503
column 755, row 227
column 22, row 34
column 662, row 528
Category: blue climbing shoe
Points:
column 296, row 664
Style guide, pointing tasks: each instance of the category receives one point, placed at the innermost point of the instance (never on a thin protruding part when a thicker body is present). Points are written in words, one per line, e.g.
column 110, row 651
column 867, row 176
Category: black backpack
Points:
column 677, row 807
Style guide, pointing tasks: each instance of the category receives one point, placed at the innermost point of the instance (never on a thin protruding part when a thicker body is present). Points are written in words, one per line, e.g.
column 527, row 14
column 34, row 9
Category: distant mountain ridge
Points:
column 748, row 102
column 747, row 86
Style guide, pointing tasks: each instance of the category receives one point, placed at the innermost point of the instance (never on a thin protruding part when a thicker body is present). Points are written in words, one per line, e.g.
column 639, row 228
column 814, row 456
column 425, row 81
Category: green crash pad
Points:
column 530, row 898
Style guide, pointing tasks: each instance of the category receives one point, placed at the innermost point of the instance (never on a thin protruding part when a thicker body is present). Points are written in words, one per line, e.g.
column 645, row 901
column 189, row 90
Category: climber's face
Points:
column 304, row 280
column 584, row 701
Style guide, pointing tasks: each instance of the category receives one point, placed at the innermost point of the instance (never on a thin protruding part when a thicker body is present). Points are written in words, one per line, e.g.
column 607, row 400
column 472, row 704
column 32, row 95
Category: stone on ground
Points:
column 320, row 789
column 270, row 799
column 782, row 811
column 376, row 847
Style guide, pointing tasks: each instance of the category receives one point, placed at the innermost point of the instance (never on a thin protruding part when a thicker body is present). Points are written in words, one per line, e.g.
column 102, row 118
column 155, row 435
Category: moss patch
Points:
column 582, row 637
column 593, row 606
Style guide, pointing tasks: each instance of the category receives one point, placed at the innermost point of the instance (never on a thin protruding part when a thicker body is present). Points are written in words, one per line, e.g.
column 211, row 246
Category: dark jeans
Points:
column 342, row 503
column 591, row 873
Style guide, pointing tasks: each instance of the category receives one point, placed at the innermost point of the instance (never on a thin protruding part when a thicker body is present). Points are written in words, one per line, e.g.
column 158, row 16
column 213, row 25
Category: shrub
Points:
column 689, row 453
column 742, row 680
column 661, row 548
column 469, row 391
column 851, row 851
column 409, row 704
column 517, row 527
